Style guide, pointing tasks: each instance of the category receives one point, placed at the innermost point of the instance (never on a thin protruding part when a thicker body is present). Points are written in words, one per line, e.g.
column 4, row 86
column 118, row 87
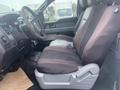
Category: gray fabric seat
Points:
column 67, row 55
column 83, row 6
column 85, row 15
column 55, row 57
column 78, row 67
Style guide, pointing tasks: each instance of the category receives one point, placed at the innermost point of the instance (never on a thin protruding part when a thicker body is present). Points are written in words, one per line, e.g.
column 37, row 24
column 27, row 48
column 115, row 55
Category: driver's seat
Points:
column 78, row 67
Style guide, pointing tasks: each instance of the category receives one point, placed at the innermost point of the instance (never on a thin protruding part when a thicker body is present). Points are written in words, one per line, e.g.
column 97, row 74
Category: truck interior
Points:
column 63, row 46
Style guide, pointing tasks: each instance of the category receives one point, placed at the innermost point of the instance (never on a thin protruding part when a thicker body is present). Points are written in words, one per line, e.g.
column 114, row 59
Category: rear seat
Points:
column 83, row 6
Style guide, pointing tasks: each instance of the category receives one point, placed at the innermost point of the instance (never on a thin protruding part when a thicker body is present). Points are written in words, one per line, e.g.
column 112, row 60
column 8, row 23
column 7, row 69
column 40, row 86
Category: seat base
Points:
column 84, row 78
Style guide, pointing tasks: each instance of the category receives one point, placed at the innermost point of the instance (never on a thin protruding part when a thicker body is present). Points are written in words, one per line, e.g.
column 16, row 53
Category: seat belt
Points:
column 79, row 15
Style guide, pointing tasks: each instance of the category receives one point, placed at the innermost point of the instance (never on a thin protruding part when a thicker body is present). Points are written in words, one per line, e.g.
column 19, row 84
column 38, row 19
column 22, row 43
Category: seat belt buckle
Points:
column 70, row 46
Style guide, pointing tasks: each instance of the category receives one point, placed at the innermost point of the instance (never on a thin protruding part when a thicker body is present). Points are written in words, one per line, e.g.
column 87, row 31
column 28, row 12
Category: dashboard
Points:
column 14, row 43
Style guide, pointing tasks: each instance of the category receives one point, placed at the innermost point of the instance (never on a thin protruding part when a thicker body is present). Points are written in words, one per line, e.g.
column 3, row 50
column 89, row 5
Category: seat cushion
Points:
column 58, row 60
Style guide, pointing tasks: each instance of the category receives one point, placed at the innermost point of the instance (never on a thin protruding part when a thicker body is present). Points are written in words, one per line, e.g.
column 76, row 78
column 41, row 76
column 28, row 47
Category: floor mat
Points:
column 16, row 81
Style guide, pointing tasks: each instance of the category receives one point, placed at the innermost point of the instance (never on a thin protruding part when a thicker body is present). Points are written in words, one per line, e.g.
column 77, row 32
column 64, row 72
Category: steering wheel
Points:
column 33, row 22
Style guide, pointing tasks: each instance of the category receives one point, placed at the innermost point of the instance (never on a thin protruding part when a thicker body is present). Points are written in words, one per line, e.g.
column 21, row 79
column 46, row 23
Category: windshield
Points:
column 16, row 5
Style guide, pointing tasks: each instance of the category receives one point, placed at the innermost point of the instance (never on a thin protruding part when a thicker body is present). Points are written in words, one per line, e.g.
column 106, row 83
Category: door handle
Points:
column 53, row 25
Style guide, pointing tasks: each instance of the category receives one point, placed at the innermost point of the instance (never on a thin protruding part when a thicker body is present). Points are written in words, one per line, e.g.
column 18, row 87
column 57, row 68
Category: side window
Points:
column 60, row 9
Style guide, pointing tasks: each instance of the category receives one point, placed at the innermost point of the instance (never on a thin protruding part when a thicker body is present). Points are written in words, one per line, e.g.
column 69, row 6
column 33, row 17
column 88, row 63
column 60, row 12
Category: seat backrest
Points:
column 94, row 39
column 82, row 5
column 101, row 40
column 88, row 23
column 85, row 8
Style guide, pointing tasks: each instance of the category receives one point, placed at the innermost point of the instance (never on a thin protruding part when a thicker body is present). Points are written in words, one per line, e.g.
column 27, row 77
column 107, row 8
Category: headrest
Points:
column 96, row 2
column 83, row 3
column 107, row 2
column 86, row 3
column 93, row 2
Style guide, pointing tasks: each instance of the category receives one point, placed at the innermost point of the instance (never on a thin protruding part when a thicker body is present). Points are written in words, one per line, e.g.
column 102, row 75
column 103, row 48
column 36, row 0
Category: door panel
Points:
column 60, row 17
column 62, row 26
